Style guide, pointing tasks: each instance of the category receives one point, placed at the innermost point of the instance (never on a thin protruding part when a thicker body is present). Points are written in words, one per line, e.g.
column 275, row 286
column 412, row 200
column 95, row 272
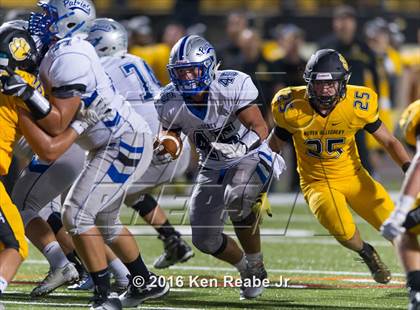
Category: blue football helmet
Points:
column 192, row 52
column 61, row 19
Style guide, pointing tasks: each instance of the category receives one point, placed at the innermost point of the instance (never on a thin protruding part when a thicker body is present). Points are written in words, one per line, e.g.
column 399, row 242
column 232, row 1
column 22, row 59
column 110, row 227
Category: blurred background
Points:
column 271, row 40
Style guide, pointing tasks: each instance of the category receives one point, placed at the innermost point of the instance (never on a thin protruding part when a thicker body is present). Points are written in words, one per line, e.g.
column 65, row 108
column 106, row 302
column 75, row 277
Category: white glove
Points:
column 277, row 162
column 230, row 150
column 160, row 159
column 79, row 126
column 392, row 227
column 96, row 111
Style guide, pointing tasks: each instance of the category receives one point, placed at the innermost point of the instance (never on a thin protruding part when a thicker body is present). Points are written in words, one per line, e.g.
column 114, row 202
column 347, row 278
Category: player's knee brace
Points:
column 145, row 205
column 54, row 220
column 413, row 280
column 247, row 222
column 210, row 244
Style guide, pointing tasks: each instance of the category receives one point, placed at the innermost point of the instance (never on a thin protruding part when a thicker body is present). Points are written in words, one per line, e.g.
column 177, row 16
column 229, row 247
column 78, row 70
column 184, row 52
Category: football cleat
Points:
column 119, row 287
column 84, row 284
column 134, row 296
column 112, row 302
column 55, row 279
column 414, row 301
column 252, row 285
column 377, row 267
column 176, row 250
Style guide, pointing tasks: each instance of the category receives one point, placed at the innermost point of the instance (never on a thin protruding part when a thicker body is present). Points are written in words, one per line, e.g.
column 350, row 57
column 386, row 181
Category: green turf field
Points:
column 322, row 274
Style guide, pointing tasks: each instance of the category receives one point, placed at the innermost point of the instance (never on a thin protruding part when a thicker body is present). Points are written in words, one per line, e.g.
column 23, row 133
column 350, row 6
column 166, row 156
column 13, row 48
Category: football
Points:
column 170, row 143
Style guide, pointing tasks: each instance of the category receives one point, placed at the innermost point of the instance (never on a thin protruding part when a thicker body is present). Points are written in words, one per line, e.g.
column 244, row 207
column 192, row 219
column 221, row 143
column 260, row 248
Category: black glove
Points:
column 14, row 85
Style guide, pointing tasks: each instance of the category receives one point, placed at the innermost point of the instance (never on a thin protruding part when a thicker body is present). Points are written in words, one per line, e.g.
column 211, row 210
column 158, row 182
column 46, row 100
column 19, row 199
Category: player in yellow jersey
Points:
column 323, row 118
column 18, row 51
column 405, row 219
column 13, row 245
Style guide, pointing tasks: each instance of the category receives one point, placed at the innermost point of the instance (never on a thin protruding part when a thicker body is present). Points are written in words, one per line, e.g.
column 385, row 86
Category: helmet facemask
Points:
column 43, row 25
column 329, row 101
column 201, row 72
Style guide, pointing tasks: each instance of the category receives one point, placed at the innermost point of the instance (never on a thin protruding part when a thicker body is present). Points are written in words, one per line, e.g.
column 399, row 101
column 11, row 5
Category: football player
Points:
column 15, row 40
column 118, row 141
column 405, row 219
column 135, row 80
column 322, row 118
column 215, row 110
column 13, row 245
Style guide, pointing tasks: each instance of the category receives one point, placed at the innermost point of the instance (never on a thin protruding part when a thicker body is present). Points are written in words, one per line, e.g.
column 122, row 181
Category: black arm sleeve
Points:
column 372, row 127
column 282, row 134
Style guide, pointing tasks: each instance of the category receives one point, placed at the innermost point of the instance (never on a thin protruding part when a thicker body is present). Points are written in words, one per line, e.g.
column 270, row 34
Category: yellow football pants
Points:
column 329, row 201
column 12, row 232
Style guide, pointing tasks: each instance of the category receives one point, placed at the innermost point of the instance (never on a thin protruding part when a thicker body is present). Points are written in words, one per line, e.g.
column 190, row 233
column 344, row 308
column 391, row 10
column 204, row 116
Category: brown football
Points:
column 169, row 143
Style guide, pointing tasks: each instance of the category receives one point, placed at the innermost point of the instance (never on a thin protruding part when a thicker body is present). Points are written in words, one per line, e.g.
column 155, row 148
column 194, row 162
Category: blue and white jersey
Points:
column 216, row 121
column 135, row 80
column 71, row 68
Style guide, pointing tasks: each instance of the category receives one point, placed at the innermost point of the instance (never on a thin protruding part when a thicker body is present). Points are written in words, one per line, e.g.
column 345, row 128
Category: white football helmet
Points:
column 192, row 52
column 61, row 19
column 108, row 37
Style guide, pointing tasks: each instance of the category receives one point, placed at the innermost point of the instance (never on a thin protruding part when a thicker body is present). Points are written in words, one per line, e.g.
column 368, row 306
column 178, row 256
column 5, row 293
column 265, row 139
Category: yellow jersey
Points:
column 410, row 122
column 325, row 146
column 156, row 56
column 10, row 132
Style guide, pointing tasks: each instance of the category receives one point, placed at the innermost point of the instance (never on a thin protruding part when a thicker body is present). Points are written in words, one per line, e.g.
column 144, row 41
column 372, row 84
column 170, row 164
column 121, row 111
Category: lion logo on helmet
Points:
column 19, row 48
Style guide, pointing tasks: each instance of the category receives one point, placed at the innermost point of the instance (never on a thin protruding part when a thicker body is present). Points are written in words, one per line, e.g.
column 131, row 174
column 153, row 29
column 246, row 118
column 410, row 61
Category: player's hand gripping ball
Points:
column 166, row 148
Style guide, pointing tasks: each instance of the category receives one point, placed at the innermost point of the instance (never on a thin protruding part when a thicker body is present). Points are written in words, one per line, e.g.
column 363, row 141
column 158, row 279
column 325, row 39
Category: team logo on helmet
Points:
column 343, row 61
column 19, row 48
column 78, row 5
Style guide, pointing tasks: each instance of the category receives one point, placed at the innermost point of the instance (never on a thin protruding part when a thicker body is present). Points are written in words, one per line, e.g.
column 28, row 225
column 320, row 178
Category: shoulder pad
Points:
column 291, row 110
column 167, row 93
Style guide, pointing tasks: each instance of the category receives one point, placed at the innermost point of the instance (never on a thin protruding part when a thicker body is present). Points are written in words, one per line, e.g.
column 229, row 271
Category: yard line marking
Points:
column 371, row 281
column 300, row 271
column 278, row 200
column 205, row 268
column 34, row 303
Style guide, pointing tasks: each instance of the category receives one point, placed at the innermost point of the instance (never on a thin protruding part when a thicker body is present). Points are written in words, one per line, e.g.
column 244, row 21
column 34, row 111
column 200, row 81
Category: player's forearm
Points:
column 52, row 123
column 397, row 151
column 275, row 143
column 63, row 111
column 252, row 119
column 48, row 148
column 261, row 129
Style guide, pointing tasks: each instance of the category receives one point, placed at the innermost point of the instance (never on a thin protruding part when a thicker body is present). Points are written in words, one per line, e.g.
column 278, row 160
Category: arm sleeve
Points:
column 372, row 127
column 70, row 75
column 282, row 134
